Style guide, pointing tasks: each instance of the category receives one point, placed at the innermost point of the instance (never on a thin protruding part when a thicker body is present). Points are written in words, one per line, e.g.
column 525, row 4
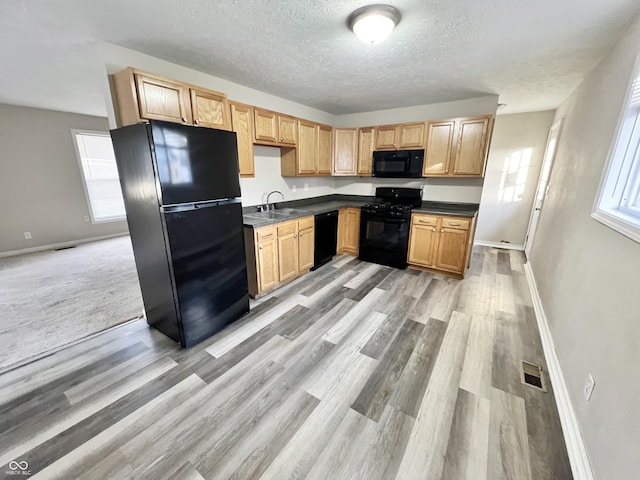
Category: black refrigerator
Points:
column 181, row 191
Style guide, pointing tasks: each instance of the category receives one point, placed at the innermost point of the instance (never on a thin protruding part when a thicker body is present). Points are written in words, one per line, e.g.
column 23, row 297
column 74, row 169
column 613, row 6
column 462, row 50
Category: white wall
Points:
column 485, row 105
column 41, row 187
column 268, row 178
column 588, row 274
column 511, row 178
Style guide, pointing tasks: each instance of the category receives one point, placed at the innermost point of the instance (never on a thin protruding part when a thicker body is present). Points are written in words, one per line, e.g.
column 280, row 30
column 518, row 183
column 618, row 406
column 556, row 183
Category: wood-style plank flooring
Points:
column 355, row 371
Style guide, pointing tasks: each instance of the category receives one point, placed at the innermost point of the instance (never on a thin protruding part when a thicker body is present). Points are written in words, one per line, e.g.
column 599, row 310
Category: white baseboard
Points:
column 572, row 436
column 53, row 246
column 509, row 246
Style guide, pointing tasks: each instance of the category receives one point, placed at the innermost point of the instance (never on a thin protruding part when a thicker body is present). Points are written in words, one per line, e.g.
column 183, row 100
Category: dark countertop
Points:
column 317, row 205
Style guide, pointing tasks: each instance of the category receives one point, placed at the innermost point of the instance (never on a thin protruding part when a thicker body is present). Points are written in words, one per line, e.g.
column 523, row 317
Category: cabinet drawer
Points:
column 419, row 219
column 264, row 233
column 286, row 228
column 459, row 223
column 305, row 222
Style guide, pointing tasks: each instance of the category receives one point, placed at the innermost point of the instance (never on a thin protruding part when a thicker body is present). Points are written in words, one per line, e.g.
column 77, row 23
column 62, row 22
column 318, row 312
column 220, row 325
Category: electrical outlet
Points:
column 27, row 235
column 86, row 218
column 293, row 188
column 306, row 187
column 589, row 386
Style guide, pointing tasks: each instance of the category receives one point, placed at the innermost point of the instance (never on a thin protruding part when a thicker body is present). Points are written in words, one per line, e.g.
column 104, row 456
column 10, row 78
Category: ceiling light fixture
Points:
column 374, row 23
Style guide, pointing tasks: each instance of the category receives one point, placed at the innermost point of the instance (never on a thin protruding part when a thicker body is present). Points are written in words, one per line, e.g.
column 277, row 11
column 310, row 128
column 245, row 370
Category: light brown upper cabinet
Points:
column 325, row 149
column 144, row 96
column 403, row 136
column 457, row 147
column 312, row 155
column 209, row 109
column 266, row 125
column 365, row 150
column 345, row 151
column 272, row 128
column 242, row 124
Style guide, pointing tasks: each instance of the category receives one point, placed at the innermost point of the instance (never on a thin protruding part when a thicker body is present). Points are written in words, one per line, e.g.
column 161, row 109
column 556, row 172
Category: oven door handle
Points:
column 379, row 218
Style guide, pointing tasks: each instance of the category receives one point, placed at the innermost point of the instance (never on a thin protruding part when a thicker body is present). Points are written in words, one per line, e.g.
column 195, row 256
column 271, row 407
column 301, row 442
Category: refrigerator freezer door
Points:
column 195, row 164
column 209, row 267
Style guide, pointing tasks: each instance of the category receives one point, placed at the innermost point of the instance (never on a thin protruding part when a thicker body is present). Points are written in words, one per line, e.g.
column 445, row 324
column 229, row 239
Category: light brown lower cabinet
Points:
column 349, row 230
column 278, row 253
column 441, row 243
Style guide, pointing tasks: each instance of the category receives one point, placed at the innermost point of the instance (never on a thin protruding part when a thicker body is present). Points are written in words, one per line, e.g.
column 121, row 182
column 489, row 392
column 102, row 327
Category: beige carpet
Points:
column 51, row 298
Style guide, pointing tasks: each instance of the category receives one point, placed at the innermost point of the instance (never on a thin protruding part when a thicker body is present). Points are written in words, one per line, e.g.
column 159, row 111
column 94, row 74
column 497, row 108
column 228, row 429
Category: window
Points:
column 618, row 201
column 100, row 175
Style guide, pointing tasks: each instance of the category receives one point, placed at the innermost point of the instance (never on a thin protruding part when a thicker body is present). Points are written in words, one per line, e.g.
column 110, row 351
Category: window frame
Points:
column 621, row 174
column 74, row 132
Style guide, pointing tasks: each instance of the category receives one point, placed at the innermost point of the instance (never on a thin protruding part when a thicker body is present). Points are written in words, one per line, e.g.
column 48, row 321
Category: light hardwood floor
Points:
column 354, row 371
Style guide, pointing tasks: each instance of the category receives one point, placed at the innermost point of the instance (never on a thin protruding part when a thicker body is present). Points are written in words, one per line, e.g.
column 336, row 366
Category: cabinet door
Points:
column 345, row 151
column 412, row 135
column 324, row 149
column 470, row 149
column 439, row 149
column 163, row 100
column 307, row 148
column 242, row 123
column 305, row 249
column 365, row 150
column 265, row 125
column 452, row 244
column 267, row 258
column 352, row 238
column 422, row 244
column 288, row 256
column 386, row 137
column 287, row 130
column 209, row 109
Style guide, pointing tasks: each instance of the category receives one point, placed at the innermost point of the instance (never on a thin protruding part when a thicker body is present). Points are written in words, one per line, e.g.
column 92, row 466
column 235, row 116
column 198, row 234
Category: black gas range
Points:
column 384, row 225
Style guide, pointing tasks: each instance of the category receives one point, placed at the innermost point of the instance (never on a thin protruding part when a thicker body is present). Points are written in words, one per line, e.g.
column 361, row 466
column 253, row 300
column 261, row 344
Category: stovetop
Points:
column 394, row 202
column 388, row 209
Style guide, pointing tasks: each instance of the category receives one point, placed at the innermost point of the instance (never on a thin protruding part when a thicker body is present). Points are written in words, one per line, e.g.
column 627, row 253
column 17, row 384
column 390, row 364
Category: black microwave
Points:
column 398, row 163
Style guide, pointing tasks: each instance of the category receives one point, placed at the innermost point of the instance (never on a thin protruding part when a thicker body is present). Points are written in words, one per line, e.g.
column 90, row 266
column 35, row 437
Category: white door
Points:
column 543, row 185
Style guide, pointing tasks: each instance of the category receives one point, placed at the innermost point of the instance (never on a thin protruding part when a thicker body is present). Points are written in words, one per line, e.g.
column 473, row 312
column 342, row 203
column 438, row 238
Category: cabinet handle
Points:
column 455, row 224
column 433, row 229
column 282, row 139
column 184, row 119
column 259, row 247
column 455, row 171
column 442, row 230
column 301, row 234
column 197, row 122
column 268, row 235
column 446, row 171
column 295, row 235
column 423, row 221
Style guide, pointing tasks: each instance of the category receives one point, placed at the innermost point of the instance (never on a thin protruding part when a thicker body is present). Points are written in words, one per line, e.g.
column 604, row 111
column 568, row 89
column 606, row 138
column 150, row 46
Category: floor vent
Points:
column 531, row 375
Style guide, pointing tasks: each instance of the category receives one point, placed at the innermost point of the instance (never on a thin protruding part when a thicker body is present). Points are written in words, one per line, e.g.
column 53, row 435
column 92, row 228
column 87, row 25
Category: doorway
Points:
column 543, row 185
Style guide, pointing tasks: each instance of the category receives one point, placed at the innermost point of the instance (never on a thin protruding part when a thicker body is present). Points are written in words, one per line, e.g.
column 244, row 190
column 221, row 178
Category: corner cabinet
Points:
column 144, row 96
column 278, row 253
column 349, row 231
column 312, row 155
column 457, row 147
column 441, row 243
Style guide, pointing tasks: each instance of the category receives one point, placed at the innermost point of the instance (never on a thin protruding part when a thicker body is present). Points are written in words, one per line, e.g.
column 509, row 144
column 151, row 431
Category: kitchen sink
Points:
column 290, row 211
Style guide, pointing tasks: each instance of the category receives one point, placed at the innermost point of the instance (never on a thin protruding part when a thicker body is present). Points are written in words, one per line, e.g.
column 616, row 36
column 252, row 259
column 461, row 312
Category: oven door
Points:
column 384, row 240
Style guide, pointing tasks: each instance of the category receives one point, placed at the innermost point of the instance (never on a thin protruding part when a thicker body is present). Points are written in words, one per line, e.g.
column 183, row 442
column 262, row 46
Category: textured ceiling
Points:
column 531, row 53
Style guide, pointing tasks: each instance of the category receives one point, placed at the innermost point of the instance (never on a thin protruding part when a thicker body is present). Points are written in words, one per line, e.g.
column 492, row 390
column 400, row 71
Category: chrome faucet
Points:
column 272, row 206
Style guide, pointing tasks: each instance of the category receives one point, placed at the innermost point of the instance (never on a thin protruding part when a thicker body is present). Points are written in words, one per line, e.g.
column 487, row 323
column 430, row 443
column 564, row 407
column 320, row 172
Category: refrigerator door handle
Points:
column 183, row 207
